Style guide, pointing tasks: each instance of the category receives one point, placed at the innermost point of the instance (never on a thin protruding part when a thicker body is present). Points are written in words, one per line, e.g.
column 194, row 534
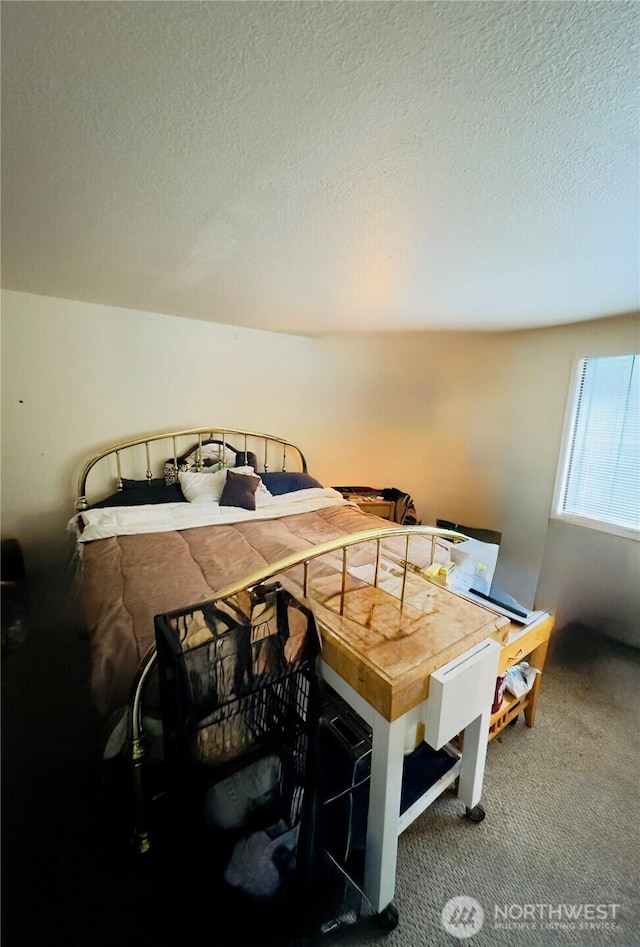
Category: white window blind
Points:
column 600, row 474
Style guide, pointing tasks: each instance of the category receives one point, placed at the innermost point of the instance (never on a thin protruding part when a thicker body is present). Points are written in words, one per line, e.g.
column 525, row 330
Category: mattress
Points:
column 123, row 581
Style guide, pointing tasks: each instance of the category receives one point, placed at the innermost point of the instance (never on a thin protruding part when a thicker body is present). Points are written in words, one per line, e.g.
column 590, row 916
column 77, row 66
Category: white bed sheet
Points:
column 164, row 517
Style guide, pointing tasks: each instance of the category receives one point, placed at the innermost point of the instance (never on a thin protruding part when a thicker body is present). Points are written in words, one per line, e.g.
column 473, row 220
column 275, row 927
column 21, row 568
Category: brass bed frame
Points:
column 270, row 446
column 251, row 441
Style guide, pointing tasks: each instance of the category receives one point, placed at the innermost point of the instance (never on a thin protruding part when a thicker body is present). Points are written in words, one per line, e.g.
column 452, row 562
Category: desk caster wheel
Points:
column 389, row 917
column 476, row 814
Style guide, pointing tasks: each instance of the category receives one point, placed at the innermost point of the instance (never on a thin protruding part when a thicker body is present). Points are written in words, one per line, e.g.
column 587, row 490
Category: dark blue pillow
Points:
column 281, row 482
column 146, row 484
column 141, row 493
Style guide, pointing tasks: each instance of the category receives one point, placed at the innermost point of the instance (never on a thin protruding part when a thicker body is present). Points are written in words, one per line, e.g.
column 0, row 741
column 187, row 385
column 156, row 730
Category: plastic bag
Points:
column 519, row 679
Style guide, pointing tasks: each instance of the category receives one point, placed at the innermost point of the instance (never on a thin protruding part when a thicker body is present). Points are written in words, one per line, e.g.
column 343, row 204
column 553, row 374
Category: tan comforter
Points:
column 124, row 581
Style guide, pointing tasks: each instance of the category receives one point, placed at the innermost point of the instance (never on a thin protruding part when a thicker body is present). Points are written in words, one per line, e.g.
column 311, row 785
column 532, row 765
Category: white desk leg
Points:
column 384, row 810
column 474, row 753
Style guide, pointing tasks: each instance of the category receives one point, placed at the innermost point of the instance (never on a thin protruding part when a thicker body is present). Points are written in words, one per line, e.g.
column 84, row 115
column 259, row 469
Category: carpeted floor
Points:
column 555, row 862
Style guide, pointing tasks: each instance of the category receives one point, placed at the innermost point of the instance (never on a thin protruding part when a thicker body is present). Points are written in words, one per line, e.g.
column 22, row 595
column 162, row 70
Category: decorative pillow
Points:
column 280, row 482
column 213, row 454
column 240, row 490
column 199, row 487
column 213, row 457
column 246, row 460
column 157, row 482
column 142, row 493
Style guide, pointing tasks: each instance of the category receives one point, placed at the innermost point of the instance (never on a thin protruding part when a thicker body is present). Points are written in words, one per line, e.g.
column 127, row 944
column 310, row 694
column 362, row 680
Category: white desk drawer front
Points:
column 460, row 691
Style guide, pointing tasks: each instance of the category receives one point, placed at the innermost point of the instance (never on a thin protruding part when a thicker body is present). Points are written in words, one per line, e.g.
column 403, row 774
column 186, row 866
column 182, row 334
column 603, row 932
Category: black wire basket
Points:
column 239, row 701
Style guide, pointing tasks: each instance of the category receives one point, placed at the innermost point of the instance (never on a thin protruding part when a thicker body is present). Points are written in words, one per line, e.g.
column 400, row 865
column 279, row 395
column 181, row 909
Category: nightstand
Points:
column 372, row 504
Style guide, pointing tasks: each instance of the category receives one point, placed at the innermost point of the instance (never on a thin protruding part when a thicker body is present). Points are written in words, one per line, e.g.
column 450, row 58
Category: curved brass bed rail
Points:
column 226, row 436
column 304, row 556
column 137, row 743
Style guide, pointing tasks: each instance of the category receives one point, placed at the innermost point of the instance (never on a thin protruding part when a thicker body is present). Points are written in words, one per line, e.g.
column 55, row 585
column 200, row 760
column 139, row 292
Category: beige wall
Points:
column 76, row 377
column 469, row 424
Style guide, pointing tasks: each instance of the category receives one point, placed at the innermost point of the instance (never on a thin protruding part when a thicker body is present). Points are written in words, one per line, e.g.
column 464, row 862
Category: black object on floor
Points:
column 13, row 606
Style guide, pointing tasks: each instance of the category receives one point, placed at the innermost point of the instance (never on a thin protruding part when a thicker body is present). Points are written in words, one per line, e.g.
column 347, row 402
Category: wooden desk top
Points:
column 386, row 653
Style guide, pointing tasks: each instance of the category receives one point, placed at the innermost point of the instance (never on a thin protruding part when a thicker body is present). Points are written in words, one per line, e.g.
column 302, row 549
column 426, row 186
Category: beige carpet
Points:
column 557, row 859
column 561, row 831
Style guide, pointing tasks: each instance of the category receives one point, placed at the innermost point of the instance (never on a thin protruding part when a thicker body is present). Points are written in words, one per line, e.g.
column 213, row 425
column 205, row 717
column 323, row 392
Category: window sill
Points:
column 612, row 528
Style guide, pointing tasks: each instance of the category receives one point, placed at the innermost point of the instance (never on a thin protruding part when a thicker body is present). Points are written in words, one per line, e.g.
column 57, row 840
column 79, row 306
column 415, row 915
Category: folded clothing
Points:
column 260, row 864
column 230, row 802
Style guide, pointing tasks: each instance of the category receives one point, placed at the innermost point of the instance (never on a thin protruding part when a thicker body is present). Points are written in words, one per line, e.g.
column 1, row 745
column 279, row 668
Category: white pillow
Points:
column 215, row 456
column 200, row 488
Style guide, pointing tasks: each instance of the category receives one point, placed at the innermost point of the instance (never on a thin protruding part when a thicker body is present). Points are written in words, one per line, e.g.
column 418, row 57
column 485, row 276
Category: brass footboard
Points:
column 403, row 566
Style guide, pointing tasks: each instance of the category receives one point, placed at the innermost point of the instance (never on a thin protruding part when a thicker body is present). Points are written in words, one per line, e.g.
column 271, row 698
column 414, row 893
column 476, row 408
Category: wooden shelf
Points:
column 525, row 644
column 509, row 709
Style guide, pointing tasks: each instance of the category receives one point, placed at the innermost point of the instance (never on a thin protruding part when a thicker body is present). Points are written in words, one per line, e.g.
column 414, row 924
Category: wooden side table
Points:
column 372, row 504
column 528, row 643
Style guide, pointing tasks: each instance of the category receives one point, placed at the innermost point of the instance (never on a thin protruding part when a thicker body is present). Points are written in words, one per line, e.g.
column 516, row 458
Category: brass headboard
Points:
column 145, row 456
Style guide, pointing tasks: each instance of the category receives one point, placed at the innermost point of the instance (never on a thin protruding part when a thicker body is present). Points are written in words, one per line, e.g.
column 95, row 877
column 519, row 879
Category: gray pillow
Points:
column 240, row 490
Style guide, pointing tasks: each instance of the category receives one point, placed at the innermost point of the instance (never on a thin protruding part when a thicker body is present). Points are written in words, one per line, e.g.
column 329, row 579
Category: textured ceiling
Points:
column 318, row 167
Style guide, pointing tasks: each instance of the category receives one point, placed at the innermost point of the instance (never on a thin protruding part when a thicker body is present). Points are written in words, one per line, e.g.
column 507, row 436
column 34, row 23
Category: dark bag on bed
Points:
column 223, row 668
column 405, row 510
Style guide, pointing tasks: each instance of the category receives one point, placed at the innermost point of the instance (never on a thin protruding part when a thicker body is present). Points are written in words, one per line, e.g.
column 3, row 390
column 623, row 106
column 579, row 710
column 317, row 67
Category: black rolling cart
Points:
column 239, row 705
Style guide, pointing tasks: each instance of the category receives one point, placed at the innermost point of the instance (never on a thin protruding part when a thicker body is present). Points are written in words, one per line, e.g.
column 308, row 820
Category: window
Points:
column 598, row 482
